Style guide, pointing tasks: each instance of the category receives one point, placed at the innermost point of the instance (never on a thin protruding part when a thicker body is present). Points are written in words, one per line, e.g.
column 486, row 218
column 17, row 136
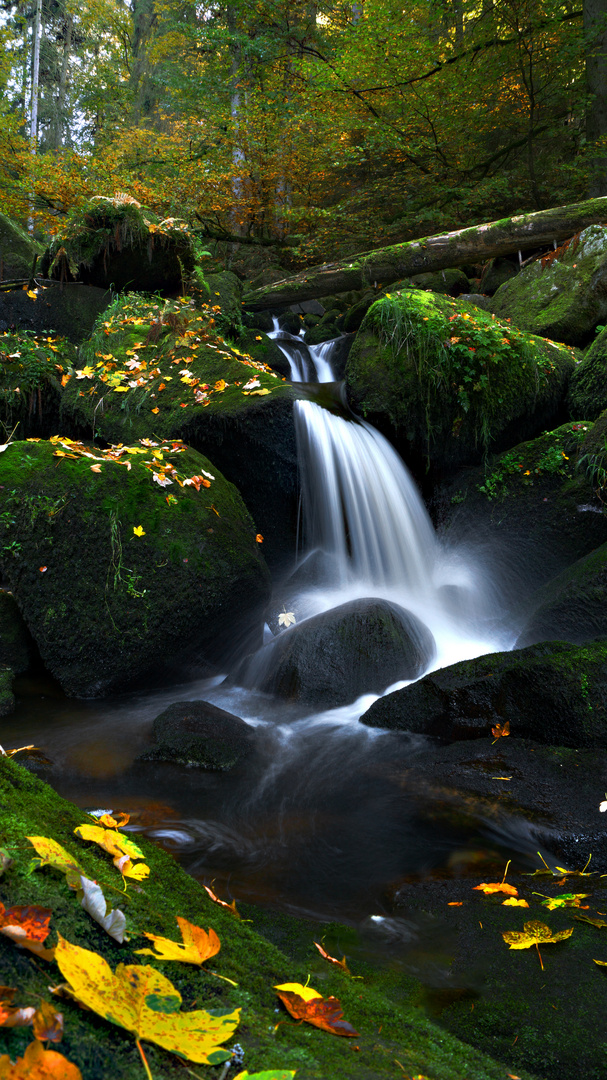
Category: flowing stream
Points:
column 320, row 819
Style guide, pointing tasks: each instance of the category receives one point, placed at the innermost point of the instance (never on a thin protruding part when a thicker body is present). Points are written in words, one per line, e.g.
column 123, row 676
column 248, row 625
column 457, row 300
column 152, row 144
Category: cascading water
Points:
column 365, row 522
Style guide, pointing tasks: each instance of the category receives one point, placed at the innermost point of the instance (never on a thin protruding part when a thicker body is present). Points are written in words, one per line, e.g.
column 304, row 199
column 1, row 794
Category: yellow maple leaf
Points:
column 119, row 847
column 138, row 530
column 143, row 1001
column 511, row 902
column 497, row 886
column 50, row 853
column 220, row 385
column 198, row 945
column 534, row 933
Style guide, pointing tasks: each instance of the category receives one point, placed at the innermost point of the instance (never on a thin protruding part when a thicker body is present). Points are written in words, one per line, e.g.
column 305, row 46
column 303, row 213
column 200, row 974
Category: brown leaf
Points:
column 304, row 1003
column 27, row 927
column 338, row 963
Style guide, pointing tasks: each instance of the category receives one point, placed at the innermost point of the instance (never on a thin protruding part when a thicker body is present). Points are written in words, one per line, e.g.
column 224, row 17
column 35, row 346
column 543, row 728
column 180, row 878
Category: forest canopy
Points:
column 329, row 127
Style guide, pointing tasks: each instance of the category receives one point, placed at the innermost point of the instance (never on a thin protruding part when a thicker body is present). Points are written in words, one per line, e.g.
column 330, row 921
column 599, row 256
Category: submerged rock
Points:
column 562, row 295
column 119, row 571
column 573, row 606
column 330, row 659
column 450, row 382
column 555, row 693
column 198, row 733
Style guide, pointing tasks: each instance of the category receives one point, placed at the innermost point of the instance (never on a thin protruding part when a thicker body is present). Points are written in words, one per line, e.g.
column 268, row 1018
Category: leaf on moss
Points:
column 27, row 927
column 512, row 902
column 120, row 847
column 50, row 853
column 11, row 1015
column 599, row 923
column 197, row 945
column 141, row 1000
column 304, row 1003
column 332, row 960
column 563, row 900
column 39, row 1064
column 267, row 1074
column 222, row 903
column 93, row 901
column 48, row 1023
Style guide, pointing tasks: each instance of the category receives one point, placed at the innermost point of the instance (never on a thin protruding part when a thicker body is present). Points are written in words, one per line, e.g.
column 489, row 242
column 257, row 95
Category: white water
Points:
column 367, row 531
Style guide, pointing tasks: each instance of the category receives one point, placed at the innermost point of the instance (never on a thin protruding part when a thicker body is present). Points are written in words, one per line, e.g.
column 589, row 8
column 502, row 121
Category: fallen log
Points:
column 389, row 264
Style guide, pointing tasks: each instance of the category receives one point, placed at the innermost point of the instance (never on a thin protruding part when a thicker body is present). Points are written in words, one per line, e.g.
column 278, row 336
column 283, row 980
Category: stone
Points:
column 68, row 308
column 451, row 282
column 198, row 733
column 572, row 606
column 554, row 692
column 17, row 250
column 330, row 659
column 587, row 390
column 16, row 645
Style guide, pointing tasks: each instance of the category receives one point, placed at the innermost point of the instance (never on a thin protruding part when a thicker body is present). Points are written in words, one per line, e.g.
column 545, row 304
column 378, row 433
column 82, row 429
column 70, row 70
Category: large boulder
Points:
column 162, row 367
column 451, row 282
column 572, row 606
column 330, row 659
column 449, row 382
column 529, row 514
column 68, row 308
column 126, row 564
column 116, row 243
column 562, row 295
column 32, row 367
column 17, row 250
column 198, row 733
column 555, row 693
column 225, row 296
column 587, row 391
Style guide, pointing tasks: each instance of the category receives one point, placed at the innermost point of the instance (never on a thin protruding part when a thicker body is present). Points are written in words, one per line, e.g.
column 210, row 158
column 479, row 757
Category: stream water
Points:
column 320, row 818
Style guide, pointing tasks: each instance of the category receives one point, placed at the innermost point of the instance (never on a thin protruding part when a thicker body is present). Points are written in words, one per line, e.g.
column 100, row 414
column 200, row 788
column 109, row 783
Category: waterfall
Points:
column 366, row 529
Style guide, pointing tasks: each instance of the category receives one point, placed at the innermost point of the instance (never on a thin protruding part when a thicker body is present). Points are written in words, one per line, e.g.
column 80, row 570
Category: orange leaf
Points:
column 28, row 927
column 259, row 538
column 499, row 731
column 39, row 1064
column 156, row 410
column 303, row 1003
column 338, row 963
column 10, row 1015
column 222, row 903
column 48, row 1023
column 500, row 886
column 96, row 468
column 197, row 945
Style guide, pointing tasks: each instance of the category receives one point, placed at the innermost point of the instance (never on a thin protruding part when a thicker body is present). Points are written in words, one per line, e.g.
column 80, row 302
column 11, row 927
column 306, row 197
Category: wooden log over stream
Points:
column 474, row 244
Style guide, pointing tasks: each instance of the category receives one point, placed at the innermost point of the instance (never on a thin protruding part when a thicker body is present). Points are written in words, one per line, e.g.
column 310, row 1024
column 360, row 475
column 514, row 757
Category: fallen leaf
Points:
column 141, row 1000
column 119, row 847
column 259, row 538
column 259, row 393
column 599, row 923
column 500, row 731
column 138, row 530
column 304, row 1003
column 93, row 901
column 562, row 900
column 497, row 887
column 220, row 385
column 338, row 963
column 198, row 945
column 534, row 933
column 27, row 927
column 48, row 1023
column 267, row 1074
column 50, row 853
column 106, row 818
column 222, row 903
column 156, row 410
column 511, row 902
column 11, row 1015
column 39, row 1064
column 286, row 618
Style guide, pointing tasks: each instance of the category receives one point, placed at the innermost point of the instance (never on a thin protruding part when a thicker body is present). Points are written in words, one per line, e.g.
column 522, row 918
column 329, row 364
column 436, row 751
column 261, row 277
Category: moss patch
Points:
column 32, row 367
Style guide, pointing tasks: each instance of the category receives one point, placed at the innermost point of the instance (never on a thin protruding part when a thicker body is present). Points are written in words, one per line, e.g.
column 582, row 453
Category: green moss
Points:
column 388, row 1029
column 31, row 369
column 451, row 378
column 554, row 453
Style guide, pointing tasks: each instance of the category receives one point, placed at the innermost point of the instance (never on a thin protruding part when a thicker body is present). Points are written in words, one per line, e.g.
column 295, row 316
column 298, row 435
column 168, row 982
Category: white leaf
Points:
column 286, row 618
column 93, row 901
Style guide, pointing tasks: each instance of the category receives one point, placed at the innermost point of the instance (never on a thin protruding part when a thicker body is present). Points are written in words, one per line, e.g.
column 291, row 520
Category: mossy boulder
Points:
column 17, row 250
column 116, row 243
column 225, row 294
column 562, row 295
column 450, row 282
column 32, row 367
column 450, row 382
column 587, row 392
column 68, row 308
column 572, row 606
column 161, row 367
column 119, row 571
column 324, row 330
column 496, row 273
column 330, row 659
column 555, row 693
column 528, row 514
column 251, row 962
column 198, row 733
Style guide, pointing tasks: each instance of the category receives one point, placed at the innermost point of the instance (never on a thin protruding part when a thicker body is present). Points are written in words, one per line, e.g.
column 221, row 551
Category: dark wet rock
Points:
column 555, row 693
column 7, row 697
column 587, row 392
column 529, row 514
column 572, row 606
column 330, row 659
column 108, row 606
column 16, row 645
column 17, row 250
column 496, row 273
column 198, row 733
column 69, row 309
column 563, row 294
column 417, row 370
column 264, row 350
column 324, row 330
column 451, row 282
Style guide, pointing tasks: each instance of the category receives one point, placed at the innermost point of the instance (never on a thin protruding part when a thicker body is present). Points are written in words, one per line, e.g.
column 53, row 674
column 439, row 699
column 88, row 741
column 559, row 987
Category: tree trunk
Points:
column 595, row 29
column 475, row 244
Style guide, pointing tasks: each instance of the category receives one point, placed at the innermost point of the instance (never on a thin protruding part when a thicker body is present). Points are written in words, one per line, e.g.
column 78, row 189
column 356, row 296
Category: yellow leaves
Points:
column 286, row 618
column 96, row 468
column 86, row 372
column 511, row 902
column 497, row 887
column 120, row 389
column 534, row 933
column 156, row 410
column 31, row 293
column 198, row 945
column 141, row 1000
column 39, row 1064
column 220, row 385
column 332, row 960
column 500, row 731
column 50, row 853
column 258, row 393
column 119, row 847
column 222, row 903
column 138, row 530
column 599, row 923
column 563, row 900
column 259, row 538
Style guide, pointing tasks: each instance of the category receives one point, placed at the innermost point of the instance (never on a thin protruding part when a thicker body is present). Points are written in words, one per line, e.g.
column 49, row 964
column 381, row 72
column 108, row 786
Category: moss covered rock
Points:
column 555, row 693
column 65, row 308
column 562, row 295
column 530, row 513
column 450, row 282
column 121, row 572
column 225, row 293
column 32, row 367
column 390, row 1026
column 17, row 250
column 573, row 605
column 161, row 367
column 587, row 392
column 116, row 243
column 450, row 381
column 198, row 733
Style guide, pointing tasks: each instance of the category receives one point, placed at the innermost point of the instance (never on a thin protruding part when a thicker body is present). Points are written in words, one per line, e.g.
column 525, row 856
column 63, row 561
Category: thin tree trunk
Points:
column 595, row 29
column 399, row 261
